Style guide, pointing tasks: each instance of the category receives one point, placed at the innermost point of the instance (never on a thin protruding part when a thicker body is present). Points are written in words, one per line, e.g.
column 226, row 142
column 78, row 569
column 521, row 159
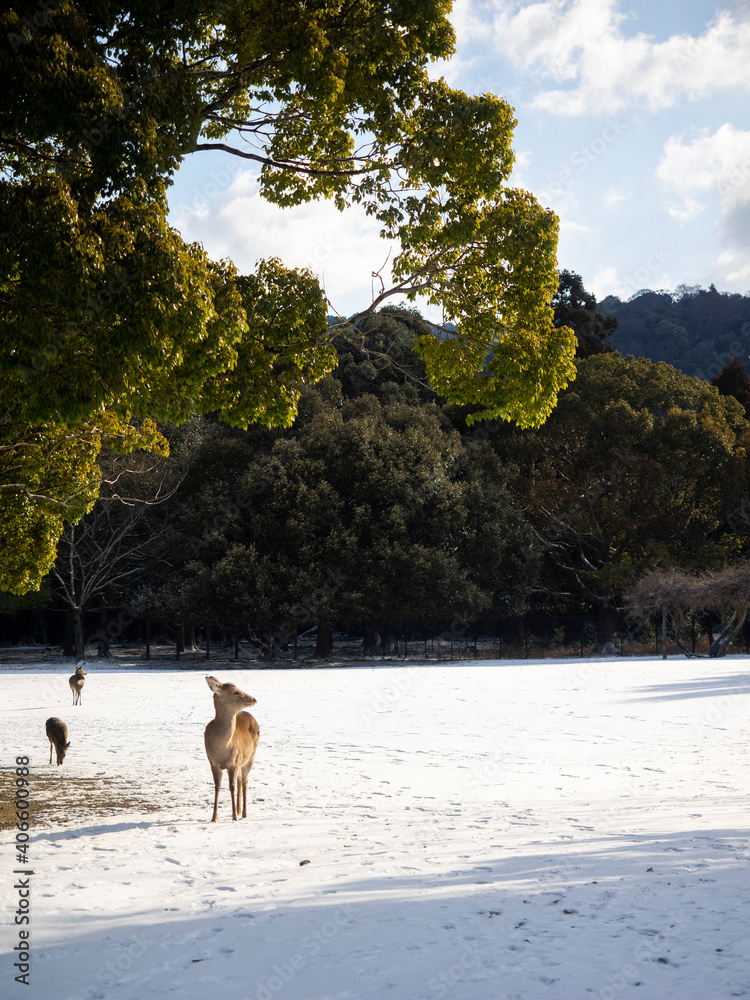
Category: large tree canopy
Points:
column 639, row 466
column 109, row 317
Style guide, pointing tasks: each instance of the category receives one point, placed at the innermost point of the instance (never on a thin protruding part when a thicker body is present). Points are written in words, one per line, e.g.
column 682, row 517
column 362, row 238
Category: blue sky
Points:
column 633, row 125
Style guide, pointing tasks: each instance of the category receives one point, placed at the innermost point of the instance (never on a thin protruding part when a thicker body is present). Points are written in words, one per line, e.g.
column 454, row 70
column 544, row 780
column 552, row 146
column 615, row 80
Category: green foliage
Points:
column 368, row 510
column 733, row 380
column 637, row 467
column 379, row 350
column 49, row 475
column 105, row 310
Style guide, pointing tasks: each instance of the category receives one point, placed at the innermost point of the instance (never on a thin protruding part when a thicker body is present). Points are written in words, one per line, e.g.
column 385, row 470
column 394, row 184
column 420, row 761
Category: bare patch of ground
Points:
column 56, row 798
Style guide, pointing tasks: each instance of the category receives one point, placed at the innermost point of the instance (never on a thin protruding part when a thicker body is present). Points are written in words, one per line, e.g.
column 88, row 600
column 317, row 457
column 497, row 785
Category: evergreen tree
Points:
column 733, row 380
column 576, row 308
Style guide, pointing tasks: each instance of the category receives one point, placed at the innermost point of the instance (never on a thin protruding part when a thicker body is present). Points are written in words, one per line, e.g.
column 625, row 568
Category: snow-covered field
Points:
column 478, row 831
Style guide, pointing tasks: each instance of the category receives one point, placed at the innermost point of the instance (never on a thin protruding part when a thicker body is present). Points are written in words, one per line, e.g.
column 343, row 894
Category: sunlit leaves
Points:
column 49, row 475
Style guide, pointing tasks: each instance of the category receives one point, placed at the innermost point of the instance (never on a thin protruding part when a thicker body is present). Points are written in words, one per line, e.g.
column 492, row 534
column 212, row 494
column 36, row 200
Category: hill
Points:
column 694, row 329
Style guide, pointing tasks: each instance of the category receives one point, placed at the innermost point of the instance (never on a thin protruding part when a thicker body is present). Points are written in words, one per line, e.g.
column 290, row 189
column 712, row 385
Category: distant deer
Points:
column 231, row 741
column 57, row 734
column 76, row 681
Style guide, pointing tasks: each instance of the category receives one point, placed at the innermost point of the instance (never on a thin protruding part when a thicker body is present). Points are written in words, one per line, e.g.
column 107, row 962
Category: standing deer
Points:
column 231, row 741
column 76, row 681
column 57, row 734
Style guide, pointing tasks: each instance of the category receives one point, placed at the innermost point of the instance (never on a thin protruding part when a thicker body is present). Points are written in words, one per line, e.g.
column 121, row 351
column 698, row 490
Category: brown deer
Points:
column 76, row 681
column 57, row 734
column 231, row 741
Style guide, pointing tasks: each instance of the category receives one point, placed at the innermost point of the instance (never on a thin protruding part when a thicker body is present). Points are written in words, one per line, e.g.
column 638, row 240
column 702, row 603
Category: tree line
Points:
column 694, row 329
column 383, row 511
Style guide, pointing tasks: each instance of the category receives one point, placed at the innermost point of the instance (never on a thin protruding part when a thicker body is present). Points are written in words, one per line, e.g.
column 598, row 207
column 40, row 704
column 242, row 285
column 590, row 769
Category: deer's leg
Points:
column 216, row 771
column 242, row 793
column 50, row 752
column 232, row 772
column 245, row 773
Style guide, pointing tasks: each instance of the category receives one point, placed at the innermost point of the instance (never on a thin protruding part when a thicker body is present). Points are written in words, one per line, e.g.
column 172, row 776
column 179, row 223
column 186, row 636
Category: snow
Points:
column 532, row 829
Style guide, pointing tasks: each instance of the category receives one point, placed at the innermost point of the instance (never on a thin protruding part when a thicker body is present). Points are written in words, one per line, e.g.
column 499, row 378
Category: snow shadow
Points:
column 729, row 685
column 594, row 918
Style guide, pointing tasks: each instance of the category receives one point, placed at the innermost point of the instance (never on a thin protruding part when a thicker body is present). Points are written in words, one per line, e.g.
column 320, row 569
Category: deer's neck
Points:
column 224, row 723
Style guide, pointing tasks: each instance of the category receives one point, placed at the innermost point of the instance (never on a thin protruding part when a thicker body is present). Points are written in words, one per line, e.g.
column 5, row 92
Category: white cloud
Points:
column 605, row 282
column 614, row 196
column 647, row 270
column 714, row 170
column 736, row 267
column 583, row 43
column 717, row 165
column 570, row 227
column 455, row 68
column 342, row 248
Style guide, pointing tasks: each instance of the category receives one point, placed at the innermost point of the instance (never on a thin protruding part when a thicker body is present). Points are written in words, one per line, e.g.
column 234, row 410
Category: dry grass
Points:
column 57, row 798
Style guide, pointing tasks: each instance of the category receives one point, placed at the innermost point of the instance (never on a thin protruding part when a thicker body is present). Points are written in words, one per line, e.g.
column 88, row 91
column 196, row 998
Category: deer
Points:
column 57, row 734
column 231, row 740
column 76, row 681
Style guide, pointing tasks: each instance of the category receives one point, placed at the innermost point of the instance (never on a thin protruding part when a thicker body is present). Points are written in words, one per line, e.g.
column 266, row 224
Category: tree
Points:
column 639, row 466
column 733, row 380
column 51, row 476
column 728, row 592
column 378, row 350
column 574, row 307
column 231, row 590
column 109, row 546
column 369, row 513
column 694, row 329
column 725, row 591
column 108, row 317
column 668, row 593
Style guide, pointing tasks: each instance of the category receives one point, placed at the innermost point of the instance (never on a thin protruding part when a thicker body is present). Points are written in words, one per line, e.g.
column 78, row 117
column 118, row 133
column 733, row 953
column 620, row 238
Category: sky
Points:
column 633, row 126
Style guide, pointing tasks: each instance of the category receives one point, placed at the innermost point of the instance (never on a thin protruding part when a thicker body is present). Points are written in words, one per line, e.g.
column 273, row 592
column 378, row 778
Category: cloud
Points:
column 649, row 273
column 714, row 169
column 605, row 282
column 736, row 269
column 614, row 196
column 342, row 248
column 707, row 167
column 584, row 43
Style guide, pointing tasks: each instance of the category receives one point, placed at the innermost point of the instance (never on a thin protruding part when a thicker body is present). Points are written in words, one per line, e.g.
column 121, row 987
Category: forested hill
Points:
column 694, row 329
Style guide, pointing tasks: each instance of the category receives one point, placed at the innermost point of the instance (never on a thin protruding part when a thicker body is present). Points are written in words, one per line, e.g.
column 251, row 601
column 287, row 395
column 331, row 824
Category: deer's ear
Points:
column 67, row 744
column 214, row 684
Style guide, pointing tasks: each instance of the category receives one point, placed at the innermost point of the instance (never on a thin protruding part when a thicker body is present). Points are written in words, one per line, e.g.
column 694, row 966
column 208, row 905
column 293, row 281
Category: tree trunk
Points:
column 388, row 641
column 208, row 642
column 324, row 642
column 103, row 636
column 663, row 633
column 148, row 638
column 79, row 642
column 728, row 632
column 190, row 637
column 371, row 642
column 606, row 626
column 271, row 645
column 69, row 646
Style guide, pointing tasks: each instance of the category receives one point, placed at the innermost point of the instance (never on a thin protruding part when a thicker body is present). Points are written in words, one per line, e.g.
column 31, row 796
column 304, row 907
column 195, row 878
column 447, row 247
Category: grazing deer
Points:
column 57, row 734
column 76, row 681
column 231, row 741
